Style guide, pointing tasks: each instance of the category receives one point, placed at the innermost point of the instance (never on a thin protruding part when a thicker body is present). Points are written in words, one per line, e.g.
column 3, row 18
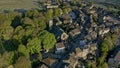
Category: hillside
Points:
column 17, row 4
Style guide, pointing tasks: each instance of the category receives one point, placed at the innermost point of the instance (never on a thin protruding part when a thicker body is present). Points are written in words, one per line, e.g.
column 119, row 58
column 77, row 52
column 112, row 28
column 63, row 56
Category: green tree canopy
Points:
column 93, row 65
column 49, row 14
column 34, row 45
column 104, row 65
column 19, row 32
column 102, row 58
column 29, row 31
column 47, row 39
column 104, row 47
column 7, row 58
column 40, row 23
column 66, row 10
column 39, row 56
column 28, row 22
column 4, row 21
column 22, row 62
column 57, row 12
column 23, row 51
column 89, row 65
column 32, row 14
column 7, row 33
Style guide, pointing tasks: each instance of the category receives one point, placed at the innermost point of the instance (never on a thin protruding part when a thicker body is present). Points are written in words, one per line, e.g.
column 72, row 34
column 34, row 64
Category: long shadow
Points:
column 16, row 10
column 20, row 10
column 59, row 64
column 39, row 63
column 11, row 45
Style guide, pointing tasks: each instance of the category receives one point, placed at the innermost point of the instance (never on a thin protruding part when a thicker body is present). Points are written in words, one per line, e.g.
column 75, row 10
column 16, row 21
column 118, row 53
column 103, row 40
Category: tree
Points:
column 29, row 31
column 12, row 14
column 23, row 51
column 19, row 32
column 66, row 10
column 39, row 56
column 4, row 21
column 114, row 37
column 74, row 3
column 57, row 12
column 28, row 22
column 47, row 39
column 102, row 58
column 22, row 62
column 34, row 45
column 93, row 65
column 40, row 23
column 7, row 58
column 5, row 29
column 99, row 66
column 104, row 65
column 104, row 47
column 49, row 14
column 7, row 33
column 109, row 42
column 32, row 14
column 89, row 65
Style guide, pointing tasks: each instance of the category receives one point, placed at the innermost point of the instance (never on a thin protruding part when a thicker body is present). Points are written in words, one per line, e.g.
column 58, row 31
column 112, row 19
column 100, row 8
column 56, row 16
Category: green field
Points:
column 17, row 4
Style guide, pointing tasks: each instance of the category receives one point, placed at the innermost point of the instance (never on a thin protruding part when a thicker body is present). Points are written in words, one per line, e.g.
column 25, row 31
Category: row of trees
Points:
column 106, row 47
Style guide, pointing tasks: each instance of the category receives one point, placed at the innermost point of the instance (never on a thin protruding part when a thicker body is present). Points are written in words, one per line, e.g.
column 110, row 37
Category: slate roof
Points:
column 56, row 31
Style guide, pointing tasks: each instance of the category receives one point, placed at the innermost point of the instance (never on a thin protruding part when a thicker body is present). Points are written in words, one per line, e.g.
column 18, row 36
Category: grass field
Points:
column 17, row 4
